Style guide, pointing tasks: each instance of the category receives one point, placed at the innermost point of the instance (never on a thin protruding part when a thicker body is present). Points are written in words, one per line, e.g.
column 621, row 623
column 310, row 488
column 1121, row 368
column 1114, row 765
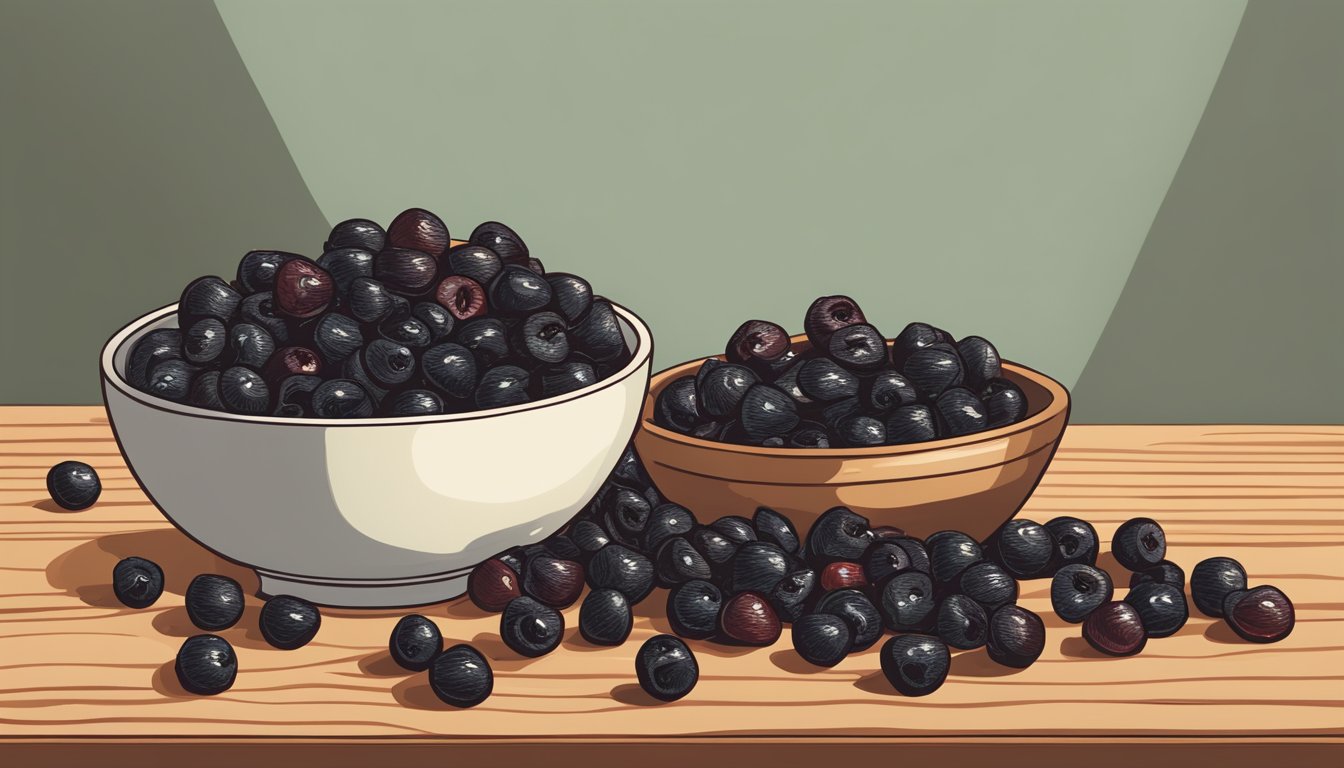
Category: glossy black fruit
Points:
column 589, row 537
column 950, row 553
column 1016, row 636
column 962, row 622
column 919, row 554
column 915, row 665
column 865, row 623
column 552, row 580
column 566, row 377
column 933, row 369
column 1139, row 543
column 1005, row 403
column 337, row 337
column 605, row 617
column 666, row 668
column 434, row 317
column 206, row 665
column 720, row 388
column 418, row 229
column 598, row 335
column 541, row 338
column 758, row 342
column 622, row 569
column 251, row 345
column 1260, row 615
column 790, row 596
column 294, row 396
column 717, row 549
column 1024, row 548
column 450, row 368
column 214, row 602
column 1161, row 607
column 518, row 291
column 677, row 406
column 341, row 399
column 887, row 390
column 243, row 390
column 356, row 233
column 858, row 348
column 839, row 534
column 808, row 435
column 1076, row 541
column 735, row 528
column 911, row 424
column 774, row 528
column 823, row 380
column 677, row 562
column 346, row 265
column 407, row 271
column 1078, row 589
column 461, row 676
column 961, row 411
column 1165, row 572
column 907, row 602
column 530, row 627
column 571, row 293
column 414, row 642
column 625, row 515
column 693, row 609
column 289, row 622
column 414, row 402
column 257, row 269
column 861, row 432
column 981, row 361
column 493, row 584
column 370, row 301
column 171, row 380
column 767, row 412
column 259, row 310
column 389, row 364
column 207, row 297
column 502, row 386
column 885, row 558
column 748, row 618
column 205, row 391
column 665, row 521
column 822, row 639
column 502, row 240
column 988, row 584
column 137, row 582
column 914, row 337
column 1115, row 629
column 204, row 341
column 757, row 567
column 151, row 349
column 1212, row 581
column 73, row 485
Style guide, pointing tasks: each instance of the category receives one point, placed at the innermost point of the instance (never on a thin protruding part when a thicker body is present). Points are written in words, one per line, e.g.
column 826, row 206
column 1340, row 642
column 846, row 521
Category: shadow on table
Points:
column 86, row 570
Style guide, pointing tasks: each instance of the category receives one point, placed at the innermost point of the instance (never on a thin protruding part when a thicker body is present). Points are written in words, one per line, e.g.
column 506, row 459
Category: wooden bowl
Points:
column 972, row 483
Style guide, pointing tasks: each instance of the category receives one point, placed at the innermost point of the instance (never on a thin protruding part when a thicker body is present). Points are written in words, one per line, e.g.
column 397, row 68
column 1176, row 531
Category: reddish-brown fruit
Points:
column 749, row 619
column 757, row 340
column 1261, row 615
column 303, row 289
column 492, row 584
column 463, row 297
column 843, row 575
column 829, row 314
column 1115, row 629
column 419, row 230
column 292, row 361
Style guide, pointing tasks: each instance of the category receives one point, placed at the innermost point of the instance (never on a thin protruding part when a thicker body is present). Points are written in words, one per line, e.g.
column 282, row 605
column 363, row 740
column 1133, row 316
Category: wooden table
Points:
column 83, row 678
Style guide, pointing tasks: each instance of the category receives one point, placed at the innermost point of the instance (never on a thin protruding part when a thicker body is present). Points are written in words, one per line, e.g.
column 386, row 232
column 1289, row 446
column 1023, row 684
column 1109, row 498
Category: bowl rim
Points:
column 1057, row 406
column 639, row 357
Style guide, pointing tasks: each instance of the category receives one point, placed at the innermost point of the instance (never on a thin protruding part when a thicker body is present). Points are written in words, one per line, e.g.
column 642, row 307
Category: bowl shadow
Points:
column 86, row 570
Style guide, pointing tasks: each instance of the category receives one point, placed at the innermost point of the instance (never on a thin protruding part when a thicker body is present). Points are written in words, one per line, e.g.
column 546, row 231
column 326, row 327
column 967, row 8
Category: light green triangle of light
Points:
column 990, row 167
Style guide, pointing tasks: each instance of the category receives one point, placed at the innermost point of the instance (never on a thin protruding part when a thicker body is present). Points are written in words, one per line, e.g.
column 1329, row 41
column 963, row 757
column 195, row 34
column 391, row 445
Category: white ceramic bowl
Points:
column 376, row 512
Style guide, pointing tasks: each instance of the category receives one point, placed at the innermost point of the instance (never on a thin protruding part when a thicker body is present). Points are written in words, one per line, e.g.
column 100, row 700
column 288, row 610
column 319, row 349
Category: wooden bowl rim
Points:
column 1058, row 405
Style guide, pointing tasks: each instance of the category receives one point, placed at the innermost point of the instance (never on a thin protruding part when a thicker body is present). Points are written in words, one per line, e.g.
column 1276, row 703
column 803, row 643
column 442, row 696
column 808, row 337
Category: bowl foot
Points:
column 375, row 593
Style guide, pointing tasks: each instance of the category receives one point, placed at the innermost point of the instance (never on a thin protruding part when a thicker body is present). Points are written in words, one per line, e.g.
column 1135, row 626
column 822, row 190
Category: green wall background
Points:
column 1043, row 173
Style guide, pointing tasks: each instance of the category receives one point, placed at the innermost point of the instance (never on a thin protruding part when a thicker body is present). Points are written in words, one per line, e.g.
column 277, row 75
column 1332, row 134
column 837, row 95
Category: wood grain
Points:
column 1271, row 496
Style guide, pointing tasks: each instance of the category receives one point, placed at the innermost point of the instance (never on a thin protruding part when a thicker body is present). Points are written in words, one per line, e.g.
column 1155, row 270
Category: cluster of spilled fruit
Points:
column 848, row 388
column 387, row 323
column 736, row 580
